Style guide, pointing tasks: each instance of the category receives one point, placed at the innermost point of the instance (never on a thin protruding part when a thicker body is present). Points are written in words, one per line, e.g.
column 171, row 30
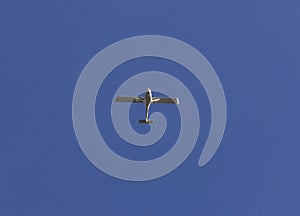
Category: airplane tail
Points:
column 144, row 121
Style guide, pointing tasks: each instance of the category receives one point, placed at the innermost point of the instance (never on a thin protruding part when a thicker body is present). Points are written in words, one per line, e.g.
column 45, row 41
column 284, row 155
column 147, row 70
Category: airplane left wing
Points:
column 166, row 100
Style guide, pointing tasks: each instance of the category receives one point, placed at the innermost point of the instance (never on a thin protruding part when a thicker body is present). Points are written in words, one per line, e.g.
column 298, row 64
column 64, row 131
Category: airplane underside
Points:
column 147, row 100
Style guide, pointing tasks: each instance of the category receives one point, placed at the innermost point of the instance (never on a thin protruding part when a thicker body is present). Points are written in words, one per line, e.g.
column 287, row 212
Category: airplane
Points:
column 147, row 100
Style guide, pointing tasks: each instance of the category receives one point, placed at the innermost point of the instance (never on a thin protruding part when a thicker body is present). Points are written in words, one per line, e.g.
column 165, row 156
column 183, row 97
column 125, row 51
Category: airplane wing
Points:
column 166, row 100
column 129, row 99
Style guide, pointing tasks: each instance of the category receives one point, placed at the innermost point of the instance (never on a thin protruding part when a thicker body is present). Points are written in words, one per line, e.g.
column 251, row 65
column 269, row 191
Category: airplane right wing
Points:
column 129, row 99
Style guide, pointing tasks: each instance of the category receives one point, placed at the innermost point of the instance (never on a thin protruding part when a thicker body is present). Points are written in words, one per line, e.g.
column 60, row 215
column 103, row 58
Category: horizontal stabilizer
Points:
column 149, row 121
column 129, row 99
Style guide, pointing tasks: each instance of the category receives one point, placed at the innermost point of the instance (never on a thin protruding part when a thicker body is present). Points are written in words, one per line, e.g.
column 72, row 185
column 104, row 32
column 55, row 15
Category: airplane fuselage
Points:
column 148, row 101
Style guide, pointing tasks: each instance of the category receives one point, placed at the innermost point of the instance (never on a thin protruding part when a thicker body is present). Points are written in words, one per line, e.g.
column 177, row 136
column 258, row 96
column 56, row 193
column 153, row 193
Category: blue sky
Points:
column 253, row 46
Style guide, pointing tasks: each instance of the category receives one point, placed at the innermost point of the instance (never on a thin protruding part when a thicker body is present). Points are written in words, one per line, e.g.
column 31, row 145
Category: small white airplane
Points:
column 147, row 100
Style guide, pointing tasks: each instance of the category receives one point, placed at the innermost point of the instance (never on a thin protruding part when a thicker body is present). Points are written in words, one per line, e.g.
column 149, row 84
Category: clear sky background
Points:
column 254, row 47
